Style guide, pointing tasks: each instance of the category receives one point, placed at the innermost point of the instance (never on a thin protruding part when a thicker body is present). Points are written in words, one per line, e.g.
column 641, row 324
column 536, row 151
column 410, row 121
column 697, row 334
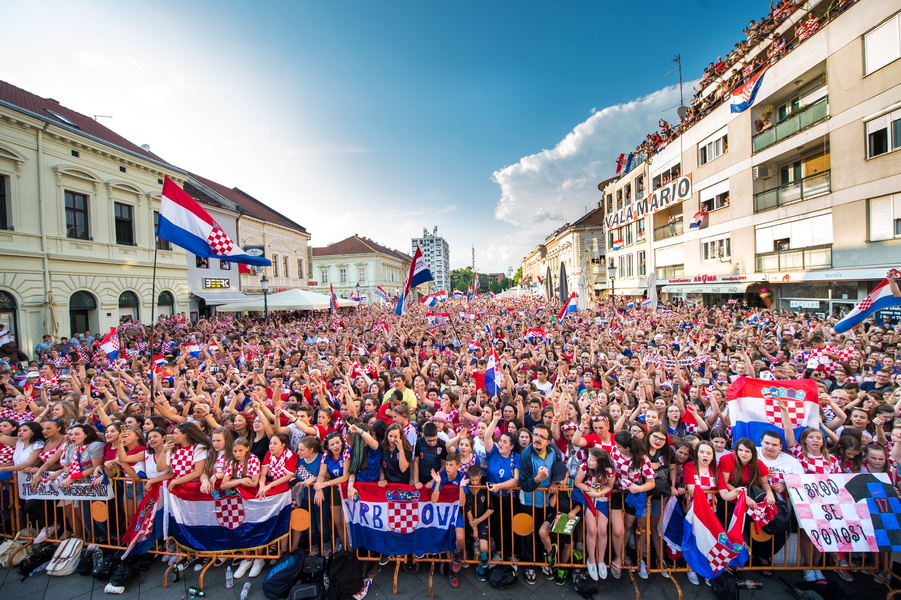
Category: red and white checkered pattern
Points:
column 181, row 462
column 277, row 464
column 720, row 556
column 403, row 517
column 816, row 464
column 219, row 241
column 6, row 454
column 794, row 403
column 625, row 476
column 46, row 455
column 230, row 511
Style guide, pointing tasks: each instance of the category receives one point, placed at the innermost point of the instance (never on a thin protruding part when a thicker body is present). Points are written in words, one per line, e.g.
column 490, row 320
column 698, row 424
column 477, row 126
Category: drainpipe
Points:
column 45, row 260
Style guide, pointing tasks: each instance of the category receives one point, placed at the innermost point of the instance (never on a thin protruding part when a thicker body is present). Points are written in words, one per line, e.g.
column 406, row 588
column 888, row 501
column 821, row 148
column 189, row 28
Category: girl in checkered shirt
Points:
column 185, row 455
column 634, row 479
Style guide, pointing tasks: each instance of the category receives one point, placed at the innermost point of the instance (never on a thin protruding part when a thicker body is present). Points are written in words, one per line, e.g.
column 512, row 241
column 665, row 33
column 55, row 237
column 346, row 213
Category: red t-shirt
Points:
column 727, row 465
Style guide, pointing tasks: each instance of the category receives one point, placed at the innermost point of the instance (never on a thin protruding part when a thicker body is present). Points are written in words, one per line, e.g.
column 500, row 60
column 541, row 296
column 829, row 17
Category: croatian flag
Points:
column 754, row 410
column 697, row 219
column 630, row 304
column 743, row 96
column 185, row 223
column 534, row 335
column 646, row 303
column 399, row 519
column 229, row 522
column 473, row 346
column 492, row 383
column 491, row 294
column 110, row 344
column 380, row 326
column 355, row 297
column 672, row 524
column 333, row 299
column 441, row 295
column 193, row 349
column 146, row 526
column 381, row 293
column 437, row 318
column 159, row 360
column 419, row 273
column 571, row 306
column 752, row 317
column 879, row 298
column 430, row 300
column 707, row 547
column 458, row 295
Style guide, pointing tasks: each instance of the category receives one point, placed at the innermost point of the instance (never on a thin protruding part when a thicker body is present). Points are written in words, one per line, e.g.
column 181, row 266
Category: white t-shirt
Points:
column 22, row 453
column 784, row 464
column 545, row 388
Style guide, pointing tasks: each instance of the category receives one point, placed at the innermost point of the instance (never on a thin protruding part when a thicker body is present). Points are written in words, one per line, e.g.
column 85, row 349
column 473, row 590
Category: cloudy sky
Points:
column 492, row 119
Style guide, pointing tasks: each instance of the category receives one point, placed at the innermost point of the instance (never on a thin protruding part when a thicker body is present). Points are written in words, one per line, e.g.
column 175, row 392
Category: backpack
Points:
column 585, row 586
column 306, row 591
column 105, row 564
column 724, row 586
column 30, row 565
column 66, row 558
column 345, row 576
column 283, row 574
column 781, row 522
column 313, row 570
column 125, row 572
column 502, row 576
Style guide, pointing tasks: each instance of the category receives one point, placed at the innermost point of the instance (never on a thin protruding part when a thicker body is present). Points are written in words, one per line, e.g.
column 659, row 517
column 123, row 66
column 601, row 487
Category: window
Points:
column 884, row 134
column 630, row 259
column 639, row 187
column 622, row 267
column 713, row 149
column 224, row 265
column 323, row 274
column 285, row 267
column 77, row 216
column 800, row 233
column 5, row 213
column 161, row 244
column 715, row 197
column 166, row 303
column 275, row 265
column 300, row 272
column 627, row 238
column 670, row 272
column 716, row 249
column 882, row 45
column 361, row 273
column 639, row 230
column 885, row 217
column 125, row 224
column 641, row 259
column 202, row 262
column 342, row 274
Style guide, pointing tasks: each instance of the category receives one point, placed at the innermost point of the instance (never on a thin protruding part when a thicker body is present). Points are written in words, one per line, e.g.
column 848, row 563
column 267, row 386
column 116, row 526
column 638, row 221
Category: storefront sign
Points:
column 711, row 279
column 312, row 283
column 847, row 513
column 670, row 194
column 828, row 275
column 804, row 303
column 216, row 284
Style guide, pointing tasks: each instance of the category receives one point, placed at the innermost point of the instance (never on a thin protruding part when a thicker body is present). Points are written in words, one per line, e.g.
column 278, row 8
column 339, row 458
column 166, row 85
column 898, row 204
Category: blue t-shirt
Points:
column 370, row 474
column 307, row 469
column 334, row 466
column 501, row 469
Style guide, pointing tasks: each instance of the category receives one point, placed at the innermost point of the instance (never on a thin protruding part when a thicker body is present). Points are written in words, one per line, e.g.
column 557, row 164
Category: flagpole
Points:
column 156, row 249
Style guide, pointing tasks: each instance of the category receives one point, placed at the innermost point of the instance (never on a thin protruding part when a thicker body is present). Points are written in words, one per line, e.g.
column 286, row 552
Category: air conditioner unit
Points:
column 761, row 172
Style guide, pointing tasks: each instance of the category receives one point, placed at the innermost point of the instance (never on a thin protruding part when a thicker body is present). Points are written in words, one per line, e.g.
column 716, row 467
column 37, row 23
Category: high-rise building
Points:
column 437, row 255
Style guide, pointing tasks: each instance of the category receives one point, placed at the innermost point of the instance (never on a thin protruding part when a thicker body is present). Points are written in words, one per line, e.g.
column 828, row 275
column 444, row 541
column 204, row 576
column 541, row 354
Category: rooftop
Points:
column 356, row 244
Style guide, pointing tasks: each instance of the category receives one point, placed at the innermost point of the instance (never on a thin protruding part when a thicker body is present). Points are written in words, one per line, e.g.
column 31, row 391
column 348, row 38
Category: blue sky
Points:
column 493, row 120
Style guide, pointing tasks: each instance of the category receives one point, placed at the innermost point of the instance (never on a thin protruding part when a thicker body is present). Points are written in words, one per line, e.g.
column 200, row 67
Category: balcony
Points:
column 669, row 230
column 796, row 121
column 812, row 257
column 796, row 191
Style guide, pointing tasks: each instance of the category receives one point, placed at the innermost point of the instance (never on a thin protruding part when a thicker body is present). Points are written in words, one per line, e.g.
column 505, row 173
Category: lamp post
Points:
column 264, row 285
column 611, row 275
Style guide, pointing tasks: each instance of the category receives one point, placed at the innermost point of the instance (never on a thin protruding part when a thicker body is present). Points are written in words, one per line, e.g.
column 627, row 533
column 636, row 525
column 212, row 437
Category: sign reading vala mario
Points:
column 668, row 195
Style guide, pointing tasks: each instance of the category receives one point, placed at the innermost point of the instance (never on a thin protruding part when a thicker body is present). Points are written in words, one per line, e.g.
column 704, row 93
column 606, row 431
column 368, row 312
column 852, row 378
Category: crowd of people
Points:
column 600, row 416
column 725, row 74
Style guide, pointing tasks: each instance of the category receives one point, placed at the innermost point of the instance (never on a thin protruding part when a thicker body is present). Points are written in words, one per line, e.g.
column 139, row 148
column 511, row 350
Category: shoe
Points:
column 201, row 563
column 693, row 578
column 846, row 575
column 578, row 555
column 242, row 570
column 617, row 571
column 384, row 559
column 707, row 582
column 172, row 559
column 592, row 570
column 326, row 550
column 531, row 576
column 46, row 531
column 548, row 573
column 882, row 577
column 365, row 590
column 483, row 560
column 455, row 566
column 560, row 576
column 419, row 556
column 453, row 580
column 664, row 574
column 496, row 558
column 480, row 574
column 820, row 576
column 218, row 562
column 257, row 567
column 602, row 570
column 642, row 570
column 552, row 555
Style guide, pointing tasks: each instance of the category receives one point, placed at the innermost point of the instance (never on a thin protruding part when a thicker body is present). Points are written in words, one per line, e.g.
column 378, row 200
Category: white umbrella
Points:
column 287, row 300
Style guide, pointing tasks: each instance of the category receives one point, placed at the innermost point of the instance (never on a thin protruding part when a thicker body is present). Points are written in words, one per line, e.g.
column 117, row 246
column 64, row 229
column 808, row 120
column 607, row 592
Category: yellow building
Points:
column 77, row 209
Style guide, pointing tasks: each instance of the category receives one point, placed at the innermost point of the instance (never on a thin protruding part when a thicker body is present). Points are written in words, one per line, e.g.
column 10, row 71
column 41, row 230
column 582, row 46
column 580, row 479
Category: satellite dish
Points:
column 682, row 111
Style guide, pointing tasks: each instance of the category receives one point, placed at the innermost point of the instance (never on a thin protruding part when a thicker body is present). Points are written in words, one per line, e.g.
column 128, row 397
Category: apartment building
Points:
column 436, row 252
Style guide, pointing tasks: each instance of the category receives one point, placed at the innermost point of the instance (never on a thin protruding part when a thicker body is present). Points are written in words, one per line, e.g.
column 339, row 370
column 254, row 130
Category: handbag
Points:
column 662, row 484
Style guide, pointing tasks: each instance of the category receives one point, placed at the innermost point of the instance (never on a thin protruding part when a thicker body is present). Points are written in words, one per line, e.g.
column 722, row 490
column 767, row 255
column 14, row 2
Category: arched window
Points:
column 82, row 312
column 128, row 305
column 8, row 315
column 165, row 303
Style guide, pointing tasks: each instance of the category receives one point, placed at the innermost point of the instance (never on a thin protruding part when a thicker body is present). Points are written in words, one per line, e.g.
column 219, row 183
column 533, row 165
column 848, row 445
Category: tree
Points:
column 517, row 277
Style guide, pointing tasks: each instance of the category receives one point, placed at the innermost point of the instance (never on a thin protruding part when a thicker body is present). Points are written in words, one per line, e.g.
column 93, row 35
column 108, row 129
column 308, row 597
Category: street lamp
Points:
column 264, row 285
column 611, row 275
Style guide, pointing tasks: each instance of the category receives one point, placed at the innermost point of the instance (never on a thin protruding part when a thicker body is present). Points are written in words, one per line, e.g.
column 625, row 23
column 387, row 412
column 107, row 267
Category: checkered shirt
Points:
column 625, row 476
column 6, row 454
column 816, row 464
column 181, row 462
column 12, row 415
column 277, row 464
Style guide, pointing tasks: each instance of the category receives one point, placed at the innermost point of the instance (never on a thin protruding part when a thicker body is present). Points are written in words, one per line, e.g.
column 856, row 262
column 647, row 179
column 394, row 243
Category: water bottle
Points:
column 747, row 584
column 245, row 591
column 229, row 577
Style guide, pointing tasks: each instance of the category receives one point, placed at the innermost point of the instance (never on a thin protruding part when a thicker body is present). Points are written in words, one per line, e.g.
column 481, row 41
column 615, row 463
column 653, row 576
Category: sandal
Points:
column 616, row 570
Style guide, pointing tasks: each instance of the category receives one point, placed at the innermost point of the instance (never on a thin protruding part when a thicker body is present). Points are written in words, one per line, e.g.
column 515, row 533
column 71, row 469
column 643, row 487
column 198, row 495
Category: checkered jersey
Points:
column 816, row 464
column 253, row 468
column 18, row 417
column 181, row 462
column 625, row 475
column 47, row 454
column 692, row 477
column 827, row 362
column 596, row 482
column 6, row 454
column 279, row 465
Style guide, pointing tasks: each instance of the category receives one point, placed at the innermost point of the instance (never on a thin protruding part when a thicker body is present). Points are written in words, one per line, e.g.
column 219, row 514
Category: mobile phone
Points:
column 215, row 369
column 258, row 370
column 704, row 381
column 170, row 439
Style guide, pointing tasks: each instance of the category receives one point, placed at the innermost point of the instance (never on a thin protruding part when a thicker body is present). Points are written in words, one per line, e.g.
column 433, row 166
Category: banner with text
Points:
column 672, row 193
column 44, row 489
column 847, row 512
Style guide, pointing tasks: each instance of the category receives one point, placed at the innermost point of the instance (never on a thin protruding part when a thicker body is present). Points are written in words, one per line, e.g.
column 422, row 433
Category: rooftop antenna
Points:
column 102, row 117
column 473, row 258
column 681, row 110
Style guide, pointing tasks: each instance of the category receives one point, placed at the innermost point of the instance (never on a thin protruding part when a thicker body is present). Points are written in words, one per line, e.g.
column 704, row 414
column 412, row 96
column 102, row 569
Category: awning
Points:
column 217, row 298
column 629, row 291
column 733, row 288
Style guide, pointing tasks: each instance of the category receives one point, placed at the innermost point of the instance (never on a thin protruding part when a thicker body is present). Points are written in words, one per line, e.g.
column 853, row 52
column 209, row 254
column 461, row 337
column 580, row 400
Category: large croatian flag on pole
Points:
column 492, row 383
column 754, row 410
column 230, row 522
column 399, row 519
column 185, row 223
column 744, row 95
column 571, row 306
column 419, row 273
column 881, row 297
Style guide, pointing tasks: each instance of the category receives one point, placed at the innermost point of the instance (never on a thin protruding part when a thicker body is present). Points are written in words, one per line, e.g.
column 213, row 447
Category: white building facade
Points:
column 436, row 252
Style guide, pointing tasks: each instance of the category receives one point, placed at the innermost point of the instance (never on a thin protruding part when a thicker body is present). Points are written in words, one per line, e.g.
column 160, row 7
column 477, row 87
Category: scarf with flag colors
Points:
column 708, row 548
column 186, row 224
column 571, row 306
column 419, row 273
column 754, row 406
column 492, row 378
column 744, row 95
column 110, row 344
column 399, row 519
column 881, row 297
